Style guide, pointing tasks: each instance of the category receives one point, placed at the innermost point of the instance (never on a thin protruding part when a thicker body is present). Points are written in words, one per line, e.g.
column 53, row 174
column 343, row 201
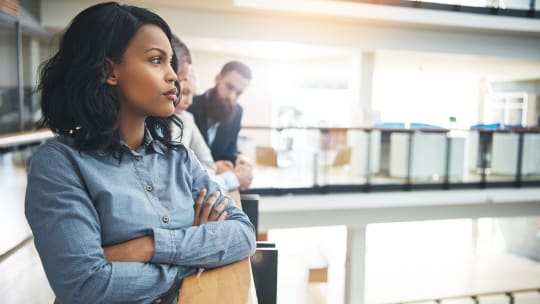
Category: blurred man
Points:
column 218, row 114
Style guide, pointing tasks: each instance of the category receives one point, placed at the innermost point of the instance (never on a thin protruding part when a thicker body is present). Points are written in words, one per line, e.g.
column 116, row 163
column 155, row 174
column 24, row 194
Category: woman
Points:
column 120, row 212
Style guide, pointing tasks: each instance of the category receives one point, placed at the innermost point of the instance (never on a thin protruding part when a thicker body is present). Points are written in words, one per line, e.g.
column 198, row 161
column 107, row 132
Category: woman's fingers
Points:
column 223, row 216
column 207, row 208
column 218, row 210
column 198, row 206
column 209, row 211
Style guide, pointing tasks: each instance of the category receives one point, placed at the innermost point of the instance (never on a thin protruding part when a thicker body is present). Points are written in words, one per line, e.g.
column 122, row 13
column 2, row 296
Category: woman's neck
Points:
column 131, row 131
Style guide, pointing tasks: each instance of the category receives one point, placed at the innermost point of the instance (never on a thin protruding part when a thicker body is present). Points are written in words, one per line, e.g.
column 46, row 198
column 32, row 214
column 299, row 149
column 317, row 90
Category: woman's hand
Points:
column 136, row 250
column 206, row 211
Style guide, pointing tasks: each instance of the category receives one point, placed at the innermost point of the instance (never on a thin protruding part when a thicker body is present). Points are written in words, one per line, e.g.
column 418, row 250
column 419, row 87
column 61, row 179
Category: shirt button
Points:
column 165, row 219
column 158, row 300
column 149, row 188
column 138, row 157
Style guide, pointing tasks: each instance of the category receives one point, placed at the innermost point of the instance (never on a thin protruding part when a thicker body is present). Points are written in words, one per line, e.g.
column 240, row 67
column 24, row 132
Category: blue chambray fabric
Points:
column 78, row 202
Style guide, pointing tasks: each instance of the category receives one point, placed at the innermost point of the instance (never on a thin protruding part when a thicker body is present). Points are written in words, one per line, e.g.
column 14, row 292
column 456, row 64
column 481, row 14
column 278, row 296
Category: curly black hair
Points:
column 76, row 100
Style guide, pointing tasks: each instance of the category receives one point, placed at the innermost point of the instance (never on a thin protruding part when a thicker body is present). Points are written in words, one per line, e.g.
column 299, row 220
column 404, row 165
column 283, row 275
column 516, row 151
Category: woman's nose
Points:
column 171, row 75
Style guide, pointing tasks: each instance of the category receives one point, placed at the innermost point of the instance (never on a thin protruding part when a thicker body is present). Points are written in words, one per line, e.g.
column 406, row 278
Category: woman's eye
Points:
column 155, row 60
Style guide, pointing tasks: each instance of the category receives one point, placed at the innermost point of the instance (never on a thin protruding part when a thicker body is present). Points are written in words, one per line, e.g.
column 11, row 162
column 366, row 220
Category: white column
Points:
column 362, row 86
column 355, row 265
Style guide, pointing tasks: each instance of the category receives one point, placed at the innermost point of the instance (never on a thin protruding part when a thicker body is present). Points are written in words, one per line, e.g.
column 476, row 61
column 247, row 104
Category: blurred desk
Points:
column 231, row 284
column 22, row 138
column 235, row 195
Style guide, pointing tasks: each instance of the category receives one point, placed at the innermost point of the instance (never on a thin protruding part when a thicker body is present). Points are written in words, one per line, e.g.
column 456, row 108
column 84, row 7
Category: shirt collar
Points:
column 148, row 143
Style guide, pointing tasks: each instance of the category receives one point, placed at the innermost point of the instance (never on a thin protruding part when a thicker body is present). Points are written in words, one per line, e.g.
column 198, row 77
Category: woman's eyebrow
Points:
column 156, row 49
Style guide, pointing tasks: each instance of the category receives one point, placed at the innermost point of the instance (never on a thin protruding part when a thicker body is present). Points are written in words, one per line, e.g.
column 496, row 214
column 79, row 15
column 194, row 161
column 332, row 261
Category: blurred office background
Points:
column 396, row 143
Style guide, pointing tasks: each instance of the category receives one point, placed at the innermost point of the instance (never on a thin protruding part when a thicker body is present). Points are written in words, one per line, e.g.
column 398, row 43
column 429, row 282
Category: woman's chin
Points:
column 166, row 112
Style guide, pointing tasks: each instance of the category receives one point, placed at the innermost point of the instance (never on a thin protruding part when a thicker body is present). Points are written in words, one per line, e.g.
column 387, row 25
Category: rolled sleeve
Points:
column 164, row 249
column 227, row 181
column 209, row 245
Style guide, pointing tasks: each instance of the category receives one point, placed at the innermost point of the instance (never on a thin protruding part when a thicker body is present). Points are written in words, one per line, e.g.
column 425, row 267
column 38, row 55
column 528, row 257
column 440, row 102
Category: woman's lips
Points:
column 172, row 91
column 172, row 94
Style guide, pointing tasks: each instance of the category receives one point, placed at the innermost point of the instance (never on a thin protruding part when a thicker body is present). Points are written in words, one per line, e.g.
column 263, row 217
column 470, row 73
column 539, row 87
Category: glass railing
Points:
column 322, row 160
column 313, row 160
column 514, row 8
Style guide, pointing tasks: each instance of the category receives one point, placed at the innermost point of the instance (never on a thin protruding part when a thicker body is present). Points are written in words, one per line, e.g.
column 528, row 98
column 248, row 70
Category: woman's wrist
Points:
column 136, row 250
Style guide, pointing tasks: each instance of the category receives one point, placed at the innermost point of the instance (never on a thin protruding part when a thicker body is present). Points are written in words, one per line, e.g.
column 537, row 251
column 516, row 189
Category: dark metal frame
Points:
column 264, row 263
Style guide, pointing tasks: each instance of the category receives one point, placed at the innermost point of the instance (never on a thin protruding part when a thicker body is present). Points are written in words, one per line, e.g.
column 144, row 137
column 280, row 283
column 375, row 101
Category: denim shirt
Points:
column 78, row 202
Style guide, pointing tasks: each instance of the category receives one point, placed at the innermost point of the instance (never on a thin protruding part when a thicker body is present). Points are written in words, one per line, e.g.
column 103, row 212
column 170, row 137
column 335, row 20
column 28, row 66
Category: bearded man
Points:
column 218, row 114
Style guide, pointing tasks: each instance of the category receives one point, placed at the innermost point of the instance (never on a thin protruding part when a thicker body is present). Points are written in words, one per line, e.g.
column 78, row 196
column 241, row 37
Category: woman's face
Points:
column 144, row 77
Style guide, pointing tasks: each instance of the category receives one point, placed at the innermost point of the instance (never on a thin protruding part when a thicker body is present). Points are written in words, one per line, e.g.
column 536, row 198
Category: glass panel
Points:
column 282, row 157
column 384, row 145
column 530, row 166
column 9, row 104
column 515, row 4
column 472, row 158
column 504, row 155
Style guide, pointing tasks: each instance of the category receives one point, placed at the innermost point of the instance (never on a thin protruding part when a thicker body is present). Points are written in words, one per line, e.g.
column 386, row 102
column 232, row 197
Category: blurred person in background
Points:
column 218, row 115
column 230, row 177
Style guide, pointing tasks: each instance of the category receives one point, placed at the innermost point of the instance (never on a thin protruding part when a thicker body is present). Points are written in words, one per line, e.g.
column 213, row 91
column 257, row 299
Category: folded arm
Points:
column 67, row 235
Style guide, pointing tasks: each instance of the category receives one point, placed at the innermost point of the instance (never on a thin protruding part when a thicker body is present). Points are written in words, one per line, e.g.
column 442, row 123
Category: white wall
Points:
column 442, row 85
column 433, row 67
column 366, row 34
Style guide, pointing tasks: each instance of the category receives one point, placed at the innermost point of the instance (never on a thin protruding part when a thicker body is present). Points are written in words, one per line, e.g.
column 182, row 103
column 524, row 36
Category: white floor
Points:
column 419, row 267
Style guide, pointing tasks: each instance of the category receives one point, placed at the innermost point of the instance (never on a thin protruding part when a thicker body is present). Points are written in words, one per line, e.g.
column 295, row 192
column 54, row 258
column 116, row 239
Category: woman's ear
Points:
column 110, row 72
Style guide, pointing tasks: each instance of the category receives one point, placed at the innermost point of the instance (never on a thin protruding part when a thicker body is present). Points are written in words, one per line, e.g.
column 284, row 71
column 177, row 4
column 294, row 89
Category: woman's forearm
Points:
column 136, row 250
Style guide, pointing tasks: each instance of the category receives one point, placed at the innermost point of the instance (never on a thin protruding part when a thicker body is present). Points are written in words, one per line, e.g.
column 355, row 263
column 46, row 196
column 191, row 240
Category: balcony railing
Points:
column 322, row 160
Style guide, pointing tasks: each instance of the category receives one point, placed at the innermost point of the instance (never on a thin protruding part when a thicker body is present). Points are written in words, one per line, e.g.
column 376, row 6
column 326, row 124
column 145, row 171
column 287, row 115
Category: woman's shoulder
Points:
column 59, row 143
column 58, row 147
column 53, row 152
